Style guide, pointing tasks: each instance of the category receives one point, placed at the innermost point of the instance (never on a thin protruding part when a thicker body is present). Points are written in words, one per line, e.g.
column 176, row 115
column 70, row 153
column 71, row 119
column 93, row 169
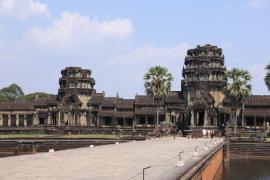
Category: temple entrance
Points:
column 21, row 120
column 151, row 120
column 41, row 121
column 120, row 121
column 29, row 120
column 54, row 118
column 142, row 120
column 129, row 121
column 108, row 121
column 249, row 121
column 13, row 120
column 259, row 121
column 201, row 118
column 5, row 120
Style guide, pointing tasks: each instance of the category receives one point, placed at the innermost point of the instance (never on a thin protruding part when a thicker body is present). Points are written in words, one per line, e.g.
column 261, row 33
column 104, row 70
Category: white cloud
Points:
column 77, row 40
column 257, row 3
column 150, row 54
column 75, row 29
column 22, row 9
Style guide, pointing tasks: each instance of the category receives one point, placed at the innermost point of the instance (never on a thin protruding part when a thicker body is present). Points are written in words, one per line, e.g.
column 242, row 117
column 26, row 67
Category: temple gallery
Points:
column 200, row 101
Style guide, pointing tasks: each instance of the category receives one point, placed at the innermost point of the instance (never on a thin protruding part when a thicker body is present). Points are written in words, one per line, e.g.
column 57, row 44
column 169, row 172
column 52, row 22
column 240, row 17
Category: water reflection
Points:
column 247, row 169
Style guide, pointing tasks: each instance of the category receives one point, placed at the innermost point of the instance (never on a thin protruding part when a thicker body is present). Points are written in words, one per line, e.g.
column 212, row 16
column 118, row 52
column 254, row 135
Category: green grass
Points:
column 94, row 136
column 21, row 135
column 72, row 136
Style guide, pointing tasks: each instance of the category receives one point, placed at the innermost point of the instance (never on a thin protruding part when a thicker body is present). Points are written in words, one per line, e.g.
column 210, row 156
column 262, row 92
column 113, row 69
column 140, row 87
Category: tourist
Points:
column 212, row 133
column 209, row 133
column 204, row 133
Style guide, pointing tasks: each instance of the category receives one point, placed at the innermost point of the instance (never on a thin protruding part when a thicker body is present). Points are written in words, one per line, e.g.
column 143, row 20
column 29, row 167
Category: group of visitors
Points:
column 208, row 133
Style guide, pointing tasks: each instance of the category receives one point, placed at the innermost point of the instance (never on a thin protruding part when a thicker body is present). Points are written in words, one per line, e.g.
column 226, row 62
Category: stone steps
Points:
column 248, row 148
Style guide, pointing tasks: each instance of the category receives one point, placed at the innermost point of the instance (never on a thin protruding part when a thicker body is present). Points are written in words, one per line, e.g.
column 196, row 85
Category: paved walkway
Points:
column 122, row 161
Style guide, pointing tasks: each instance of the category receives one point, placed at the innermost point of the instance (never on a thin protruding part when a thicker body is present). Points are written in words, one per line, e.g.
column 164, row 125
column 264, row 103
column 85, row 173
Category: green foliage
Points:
column 238, row 84
column 237, row 88
column 15, row 93
column 3, row 97
column 267, row 76
column 32, row 96
column 157, row 82
column 12, row 92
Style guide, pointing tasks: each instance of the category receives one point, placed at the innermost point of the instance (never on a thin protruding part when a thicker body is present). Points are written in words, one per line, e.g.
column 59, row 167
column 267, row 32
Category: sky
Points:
column 120, row 40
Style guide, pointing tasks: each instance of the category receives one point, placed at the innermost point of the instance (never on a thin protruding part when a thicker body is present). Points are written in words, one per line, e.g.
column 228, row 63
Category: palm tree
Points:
column 157, row 83
column 237, row 88
column 267, row 76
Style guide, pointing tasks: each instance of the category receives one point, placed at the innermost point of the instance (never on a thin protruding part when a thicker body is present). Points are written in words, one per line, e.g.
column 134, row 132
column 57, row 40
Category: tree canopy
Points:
column 15, row 93
column 267, row 76
column 157, row 82
column 238, row 83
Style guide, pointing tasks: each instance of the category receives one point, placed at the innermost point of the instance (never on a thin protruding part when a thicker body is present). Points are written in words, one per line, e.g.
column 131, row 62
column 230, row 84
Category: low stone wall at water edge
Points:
column 208, row 168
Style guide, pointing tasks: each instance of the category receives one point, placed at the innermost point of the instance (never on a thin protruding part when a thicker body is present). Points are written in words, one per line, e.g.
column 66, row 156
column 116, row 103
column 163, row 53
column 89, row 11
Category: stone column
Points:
column 65, row 119
column 215, row 121
column 35, row 119
column 83, row 119
column 192, row 118
column 243, row 120
column 134, row 122
column 1, row 119
column 205, row 118
column 264, row 122
column 49, row 119
column 125, row 121
column 197, row 119
column 98, row 123
column 69, row 118
column 9, row 119
column 146, row 120
column 24, row 120
column 59, row 118
column 255, row 120
column 167, row 116
column 17, row 120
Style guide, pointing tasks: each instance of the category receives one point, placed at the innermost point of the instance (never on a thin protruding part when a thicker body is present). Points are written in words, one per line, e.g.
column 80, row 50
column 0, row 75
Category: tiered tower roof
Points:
column 76, row 80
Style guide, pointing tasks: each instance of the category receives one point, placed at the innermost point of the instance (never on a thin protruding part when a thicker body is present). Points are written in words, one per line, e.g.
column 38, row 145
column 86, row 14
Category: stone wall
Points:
column 208, row 168
column 211, row 168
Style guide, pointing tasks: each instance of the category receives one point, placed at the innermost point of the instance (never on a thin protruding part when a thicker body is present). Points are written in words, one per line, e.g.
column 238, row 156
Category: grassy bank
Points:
column 22, row 135
column 72, row 136
column 94, row 136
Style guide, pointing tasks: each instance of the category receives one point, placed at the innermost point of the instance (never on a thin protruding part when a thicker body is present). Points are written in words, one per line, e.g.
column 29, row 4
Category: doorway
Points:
column 201, row 119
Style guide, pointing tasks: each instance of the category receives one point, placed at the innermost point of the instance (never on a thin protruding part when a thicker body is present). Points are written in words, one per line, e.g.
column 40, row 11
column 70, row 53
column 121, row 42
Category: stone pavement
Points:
column 117, row 161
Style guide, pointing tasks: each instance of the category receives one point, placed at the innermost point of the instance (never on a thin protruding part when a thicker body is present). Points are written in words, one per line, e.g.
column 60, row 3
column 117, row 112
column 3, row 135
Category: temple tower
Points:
column 203, row 84
column 76, row 81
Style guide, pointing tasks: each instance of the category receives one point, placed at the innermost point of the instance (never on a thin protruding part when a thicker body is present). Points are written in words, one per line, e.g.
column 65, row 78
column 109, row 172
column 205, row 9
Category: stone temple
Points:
column 200, row 103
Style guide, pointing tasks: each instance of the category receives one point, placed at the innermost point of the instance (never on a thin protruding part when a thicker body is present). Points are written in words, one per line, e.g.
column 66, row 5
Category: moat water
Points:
column 247, row 169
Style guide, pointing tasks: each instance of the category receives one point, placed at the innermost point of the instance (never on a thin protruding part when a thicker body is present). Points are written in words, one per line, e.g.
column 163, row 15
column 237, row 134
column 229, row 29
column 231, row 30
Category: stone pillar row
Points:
column 1, row 119
column 17, row 119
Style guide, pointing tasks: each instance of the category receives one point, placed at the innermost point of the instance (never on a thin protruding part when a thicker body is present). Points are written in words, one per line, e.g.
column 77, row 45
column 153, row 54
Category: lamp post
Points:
column 145, row 169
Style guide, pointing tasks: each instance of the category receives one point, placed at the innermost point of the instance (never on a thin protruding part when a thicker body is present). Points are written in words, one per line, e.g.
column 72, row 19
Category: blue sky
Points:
column 119, row 40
